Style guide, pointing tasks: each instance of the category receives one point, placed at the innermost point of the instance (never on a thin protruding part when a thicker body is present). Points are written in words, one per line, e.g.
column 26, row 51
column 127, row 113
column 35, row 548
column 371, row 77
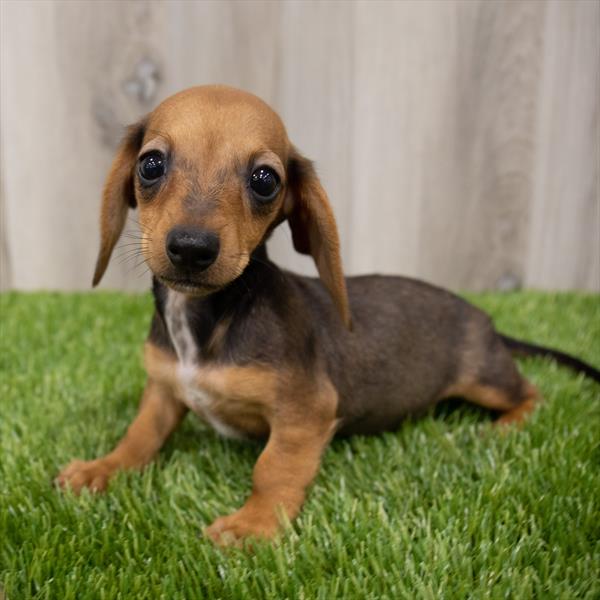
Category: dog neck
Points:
column 190, row 324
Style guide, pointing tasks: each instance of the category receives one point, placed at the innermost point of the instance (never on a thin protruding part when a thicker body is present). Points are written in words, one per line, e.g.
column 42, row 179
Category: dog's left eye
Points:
column 151, row 167
column 264, row 183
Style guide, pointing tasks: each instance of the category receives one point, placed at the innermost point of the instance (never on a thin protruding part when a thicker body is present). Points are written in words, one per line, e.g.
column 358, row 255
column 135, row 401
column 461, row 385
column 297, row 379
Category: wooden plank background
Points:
column 459, row 141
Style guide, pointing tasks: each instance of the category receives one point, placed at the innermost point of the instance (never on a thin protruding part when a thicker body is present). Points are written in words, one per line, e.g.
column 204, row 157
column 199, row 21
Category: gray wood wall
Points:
column 459, row 141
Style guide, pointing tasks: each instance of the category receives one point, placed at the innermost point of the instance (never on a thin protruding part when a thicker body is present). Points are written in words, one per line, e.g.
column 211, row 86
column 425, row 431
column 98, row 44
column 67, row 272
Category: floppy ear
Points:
column 314, row 230
column 118, row 196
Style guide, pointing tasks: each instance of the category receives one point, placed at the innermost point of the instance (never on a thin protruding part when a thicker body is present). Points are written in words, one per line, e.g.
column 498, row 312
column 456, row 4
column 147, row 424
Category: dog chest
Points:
column 200, row 399
column 235, row 400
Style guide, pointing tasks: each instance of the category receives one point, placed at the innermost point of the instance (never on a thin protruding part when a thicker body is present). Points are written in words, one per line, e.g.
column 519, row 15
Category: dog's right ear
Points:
column 314, row 231
column 118, row 196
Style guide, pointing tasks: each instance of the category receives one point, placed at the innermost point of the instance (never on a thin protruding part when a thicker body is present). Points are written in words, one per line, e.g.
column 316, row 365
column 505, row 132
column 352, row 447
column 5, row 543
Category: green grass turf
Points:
column 444, row 508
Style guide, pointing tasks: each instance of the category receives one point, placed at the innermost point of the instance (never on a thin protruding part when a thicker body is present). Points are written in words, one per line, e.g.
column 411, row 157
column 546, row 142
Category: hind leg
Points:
column 489, row 377
column 521, row 411
column 515, row 408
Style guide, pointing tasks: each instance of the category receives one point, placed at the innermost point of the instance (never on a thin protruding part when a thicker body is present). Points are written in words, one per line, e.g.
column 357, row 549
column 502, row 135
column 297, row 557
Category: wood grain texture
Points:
column 66, row 67
column 564, row 237
column 386, row 136
column 5, row 276
column 318, row 62
column 476, row 210
column 458, row 141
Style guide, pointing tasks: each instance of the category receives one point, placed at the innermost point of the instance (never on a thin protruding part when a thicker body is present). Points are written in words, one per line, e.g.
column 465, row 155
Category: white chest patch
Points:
column 188, row 364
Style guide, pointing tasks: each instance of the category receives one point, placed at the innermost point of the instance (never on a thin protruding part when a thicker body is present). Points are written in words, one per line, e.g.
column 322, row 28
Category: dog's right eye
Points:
column 151, row 167
column 265, row 184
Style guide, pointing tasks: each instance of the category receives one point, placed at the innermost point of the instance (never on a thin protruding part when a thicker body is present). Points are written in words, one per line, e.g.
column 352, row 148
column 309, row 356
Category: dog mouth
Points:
column 187, row 285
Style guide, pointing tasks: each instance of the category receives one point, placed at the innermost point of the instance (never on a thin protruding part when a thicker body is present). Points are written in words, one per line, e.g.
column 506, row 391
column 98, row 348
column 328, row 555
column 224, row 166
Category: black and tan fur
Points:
column 261, row 352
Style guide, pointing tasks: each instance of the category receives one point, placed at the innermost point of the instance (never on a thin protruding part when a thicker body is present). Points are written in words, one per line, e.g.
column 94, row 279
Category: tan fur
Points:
column 514, row 410
column 260, row 401
column 215, row 344
column 517, row 414
column 482, row 395
column 283, row 472
column 215, row 132
column 117, row 197
column 314, row 232
column 243, row 397
column 159, row 414
column 248, row 398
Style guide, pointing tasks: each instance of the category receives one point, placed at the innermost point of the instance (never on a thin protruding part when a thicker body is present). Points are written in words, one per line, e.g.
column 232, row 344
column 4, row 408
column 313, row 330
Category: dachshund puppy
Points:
column 261, row 352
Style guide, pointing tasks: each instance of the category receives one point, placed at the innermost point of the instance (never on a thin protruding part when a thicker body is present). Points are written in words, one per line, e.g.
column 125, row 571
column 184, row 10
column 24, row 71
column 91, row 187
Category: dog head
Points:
column 211, row 172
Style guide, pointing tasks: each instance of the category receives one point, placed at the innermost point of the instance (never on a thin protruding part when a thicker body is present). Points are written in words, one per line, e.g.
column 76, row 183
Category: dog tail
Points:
column 521, row 348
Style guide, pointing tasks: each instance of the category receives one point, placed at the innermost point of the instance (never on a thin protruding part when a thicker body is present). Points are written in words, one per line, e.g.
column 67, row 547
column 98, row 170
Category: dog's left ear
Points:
column 118, row 196
column 314, row 231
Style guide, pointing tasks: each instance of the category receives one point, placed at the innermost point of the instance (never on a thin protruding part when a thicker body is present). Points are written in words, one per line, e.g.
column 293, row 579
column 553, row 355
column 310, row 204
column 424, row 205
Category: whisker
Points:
column 144, row 272
column 127, row 245
column 135, row 248
column 130, row 254
column 131, row 248
column 145, row 259
column 141, row 262
column 134, row 236
column 131, row 219
column 127, row 259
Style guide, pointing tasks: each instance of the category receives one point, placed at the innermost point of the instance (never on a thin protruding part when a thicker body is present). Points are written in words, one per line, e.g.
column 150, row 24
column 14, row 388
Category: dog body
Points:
column 281, row 327
column 255, row 350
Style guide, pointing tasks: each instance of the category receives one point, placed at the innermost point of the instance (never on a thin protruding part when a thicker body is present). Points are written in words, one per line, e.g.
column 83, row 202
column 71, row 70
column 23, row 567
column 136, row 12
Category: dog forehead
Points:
column 219, row 117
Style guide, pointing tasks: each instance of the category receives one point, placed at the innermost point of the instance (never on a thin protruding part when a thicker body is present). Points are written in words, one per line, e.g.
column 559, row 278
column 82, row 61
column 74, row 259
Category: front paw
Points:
column 93, row 474
column 233, row 529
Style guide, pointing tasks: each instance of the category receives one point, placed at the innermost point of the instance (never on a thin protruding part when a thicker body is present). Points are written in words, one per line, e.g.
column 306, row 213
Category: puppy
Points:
column 261, row 352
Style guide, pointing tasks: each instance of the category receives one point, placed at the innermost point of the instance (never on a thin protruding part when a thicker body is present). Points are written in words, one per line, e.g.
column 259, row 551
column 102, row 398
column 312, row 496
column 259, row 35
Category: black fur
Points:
column 410, row 340
column 523, row 348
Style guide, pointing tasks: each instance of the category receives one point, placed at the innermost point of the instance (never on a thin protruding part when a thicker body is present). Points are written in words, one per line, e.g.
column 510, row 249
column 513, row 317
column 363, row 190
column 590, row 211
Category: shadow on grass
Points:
column 193, row 432
column 457, row 409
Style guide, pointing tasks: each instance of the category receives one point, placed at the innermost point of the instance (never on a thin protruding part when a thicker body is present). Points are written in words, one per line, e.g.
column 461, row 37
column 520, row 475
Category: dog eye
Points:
column 151, row 167
column 264, row 183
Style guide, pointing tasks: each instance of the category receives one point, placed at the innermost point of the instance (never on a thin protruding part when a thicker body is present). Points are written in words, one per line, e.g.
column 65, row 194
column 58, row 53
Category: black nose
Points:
column 192, row 248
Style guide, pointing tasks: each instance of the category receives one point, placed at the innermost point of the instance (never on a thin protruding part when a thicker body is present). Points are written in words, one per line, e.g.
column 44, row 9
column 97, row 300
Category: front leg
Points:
column 158, row 416
column 284, row 470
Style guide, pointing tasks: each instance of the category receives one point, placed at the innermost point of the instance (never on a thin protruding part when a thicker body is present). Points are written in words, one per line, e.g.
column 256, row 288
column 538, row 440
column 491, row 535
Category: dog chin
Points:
column 189, row 287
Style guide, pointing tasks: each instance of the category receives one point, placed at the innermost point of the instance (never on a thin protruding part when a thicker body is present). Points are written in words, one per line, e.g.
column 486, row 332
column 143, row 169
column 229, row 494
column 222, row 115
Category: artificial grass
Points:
column 443, row 508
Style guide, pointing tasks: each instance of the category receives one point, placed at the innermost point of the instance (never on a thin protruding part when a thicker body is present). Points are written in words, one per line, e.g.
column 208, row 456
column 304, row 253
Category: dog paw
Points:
column 234, row 529
column 79, row 474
